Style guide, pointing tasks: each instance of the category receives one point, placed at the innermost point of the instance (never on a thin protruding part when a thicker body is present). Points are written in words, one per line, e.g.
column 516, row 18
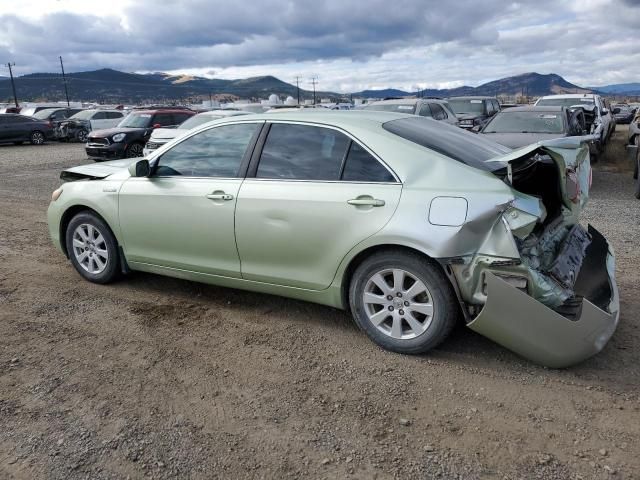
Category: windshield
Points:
column 453, row 142
column 525, row 122
column 392, row 107
column 136, row 120
column 564, row 102
column 461, row 106
column 83, row 115
column 197, row 120
column 42, row 114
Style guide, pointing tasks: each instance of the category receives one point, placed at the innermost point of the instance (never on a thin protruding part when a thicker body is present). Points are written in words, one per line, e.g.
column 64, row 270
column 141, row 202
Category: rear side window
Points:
column 163, row 119
column 302, row 152
column 438, row 112
column 113, row 115
column 217, row 152
column 425, row 111
column 100, row 116
column 178, row 118
column 453, row 142
column 361, row 166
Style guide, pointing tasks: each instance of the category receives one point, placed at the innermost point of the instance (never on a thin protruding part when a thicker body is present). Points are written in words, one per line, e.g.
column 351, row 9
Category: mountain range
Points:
column 112, row 86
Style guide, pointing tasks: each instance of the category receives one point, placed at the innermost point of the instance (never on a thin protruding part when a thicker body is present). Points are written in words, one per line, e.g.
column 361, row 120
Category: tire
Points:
column 134, row 150
column 82, row 135
column 403, row 324
column 37, row 137
column 88, row 238
column 637, row 186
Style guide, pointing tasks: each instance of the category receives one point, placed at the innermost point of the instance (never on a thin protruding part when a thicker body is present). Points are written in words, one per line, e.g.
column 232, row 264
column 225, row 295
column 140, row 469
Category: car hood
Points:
column 166, row 133
column 518, row 140
column 107, row 132
column 96, row 171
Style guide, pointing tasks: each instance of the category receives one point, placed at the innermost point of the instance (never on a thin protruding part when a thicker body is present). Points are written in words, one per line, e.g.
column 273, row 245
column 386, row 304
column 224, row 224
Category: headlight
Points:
column 56, row 194
column 118, row 137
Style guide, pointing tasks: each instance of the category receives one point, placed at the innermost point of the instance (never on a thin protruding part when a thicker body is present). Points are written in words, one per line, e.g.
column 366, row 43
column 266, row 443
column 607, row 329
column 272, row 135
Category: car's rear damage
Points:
column 541, row 284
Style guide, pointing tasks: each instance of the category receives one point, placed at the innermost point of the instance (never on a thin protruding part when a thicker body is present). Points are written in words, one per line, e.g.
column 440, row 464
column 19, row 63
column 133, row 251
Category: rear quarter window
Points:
column 453, row 142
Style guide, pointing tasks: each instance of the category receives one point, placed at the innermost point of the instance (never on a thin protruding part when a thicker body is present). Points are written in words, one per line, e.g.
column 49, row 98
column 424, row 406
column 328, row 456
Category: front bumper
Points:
column 520, row 323
column 112, row 151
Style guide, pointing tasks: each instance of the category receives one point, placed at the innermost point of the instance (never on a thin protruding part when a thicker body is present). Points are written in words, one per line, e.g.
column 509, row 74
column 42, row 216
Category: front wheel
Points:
column 92, row 248
column 36, row 138
column 82, row 135
column 134, row 150
column 403, row 302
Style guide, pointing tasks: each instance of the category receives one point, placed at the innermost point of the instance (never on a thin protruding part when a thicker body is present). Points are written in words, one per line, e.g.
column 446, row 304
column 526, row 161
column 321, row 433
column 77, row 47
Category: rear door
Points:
column 312, row 193
column 99, row 121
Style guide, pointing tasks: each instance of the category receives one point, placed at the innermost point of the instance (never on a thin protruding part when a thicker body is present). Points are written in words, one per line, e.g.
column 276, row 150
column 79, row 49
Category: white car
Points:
column 160, row 136
column 603, row 122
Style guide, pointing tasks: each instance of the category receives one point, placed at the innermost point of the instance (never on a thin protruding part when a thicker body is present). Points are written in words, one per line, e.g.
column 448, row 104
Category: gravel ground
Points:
column 155, row 377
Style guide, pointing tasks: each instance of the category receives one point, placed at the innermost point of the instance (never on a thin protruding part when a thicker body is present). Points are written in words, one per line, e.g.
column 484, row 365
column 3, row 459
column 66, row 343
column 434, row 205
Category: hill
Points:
column 620, row 89
column 112, row 86
column 530, row 84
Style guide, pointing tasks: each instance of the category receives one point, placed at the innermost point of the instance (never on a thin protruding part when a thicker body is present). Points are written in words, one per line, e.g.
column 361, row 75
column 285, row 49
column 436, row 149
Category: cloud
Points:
column 373, row 43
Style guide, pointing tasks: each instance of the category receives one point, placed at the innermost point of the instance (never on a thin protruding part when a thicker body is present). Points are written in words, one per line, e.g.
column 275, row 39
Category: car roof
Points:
column 472, row 97
column 533, row 108
column 345, row 118
column 164, row 110
column 224, row 113
column 406, row 101
column 570, row 95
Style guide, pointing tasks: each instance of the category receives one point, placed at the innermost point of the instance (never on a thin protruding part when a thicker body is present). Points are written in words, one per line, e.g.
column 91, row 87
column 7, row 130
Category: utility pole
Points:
column 298, row 88
column 13, row 85
column 64, row 80
column 314, row 81
column 210, row 101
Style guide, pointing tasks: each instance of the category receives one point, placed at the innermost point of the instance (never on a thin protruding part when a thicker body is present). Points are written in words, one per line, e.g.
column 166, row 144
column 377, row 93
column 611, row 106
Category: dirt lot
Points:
column 163, row 378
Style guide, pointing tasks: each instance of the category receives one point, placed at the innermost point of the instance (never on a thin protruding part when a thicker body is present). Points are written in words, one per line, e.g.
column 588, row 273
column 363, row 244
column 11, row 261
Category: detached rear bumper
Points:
column 520, row 323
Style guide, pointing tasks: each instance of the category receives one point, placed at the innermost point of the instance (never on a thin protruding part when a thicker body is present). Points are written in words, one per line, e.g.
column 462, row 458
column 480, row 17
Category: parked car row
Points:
column 633, row 147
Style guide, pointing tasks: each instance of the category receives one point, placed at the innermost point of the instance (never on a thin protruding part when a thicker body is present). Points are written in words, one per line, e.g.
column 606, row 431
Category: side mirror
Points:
column 157, row 125
column 140, row 168
column 604, row 112
column 476, row 128
column 616, row 110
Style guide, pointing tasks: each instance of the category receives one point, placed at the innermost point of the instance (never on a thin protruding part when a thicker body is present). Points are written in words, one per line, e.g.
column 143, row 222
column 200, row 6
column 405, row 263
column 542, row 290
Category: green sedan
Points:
column 408, row 223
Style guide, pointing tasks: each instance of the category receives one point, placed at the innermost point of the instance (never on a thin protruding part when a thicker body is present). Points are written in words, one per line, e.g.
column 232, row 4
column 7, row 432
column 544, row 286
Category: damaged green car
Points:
column 409, row 223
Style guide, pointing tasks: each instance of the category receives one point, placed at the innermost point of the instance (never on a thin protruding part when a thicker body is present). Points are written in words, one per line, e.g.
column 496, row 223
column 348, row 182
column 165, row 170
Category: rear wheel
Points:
column 134, row 150
column 92, row 248
column 36, row 137
column 403, row 302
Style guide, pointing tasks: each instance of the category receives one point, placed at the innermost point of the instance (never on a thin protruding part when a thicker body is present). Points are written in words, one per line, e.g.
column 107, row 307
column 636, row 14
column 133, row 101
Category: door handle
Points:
column 220, row 196
column 372, row 202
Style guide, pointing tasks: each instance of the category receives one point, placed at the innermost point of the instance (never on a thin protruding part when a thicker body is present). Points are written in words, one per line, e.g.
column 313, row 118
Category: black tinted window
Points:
column 163, row 119
column 178, row 118
column 453, row 142
column 438, row 112
column 362, row 167
column 216, row 152
column 113, row 115
column 302, row 152
column 100, row 116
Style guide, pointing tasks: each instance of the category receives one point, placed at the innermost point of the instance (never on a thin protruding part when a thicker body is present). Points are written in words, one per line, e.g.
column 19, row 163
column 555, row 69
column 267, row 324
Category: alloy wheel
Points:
column 134, row 150
column 90, row 248
column 37, row 138
column 398, row 304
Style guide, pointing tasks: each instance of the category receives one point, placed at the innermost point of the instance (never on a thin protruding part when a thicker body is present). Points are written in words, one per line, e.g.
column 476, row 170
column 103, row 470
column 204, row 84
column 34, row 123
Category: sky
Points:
column 349, row 45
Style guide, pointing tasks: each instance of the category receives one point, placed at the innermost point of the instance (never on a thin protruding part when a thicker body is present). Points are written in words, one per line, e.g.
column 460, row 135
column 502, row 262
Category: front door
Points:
column 183, row 215
column 314, row 195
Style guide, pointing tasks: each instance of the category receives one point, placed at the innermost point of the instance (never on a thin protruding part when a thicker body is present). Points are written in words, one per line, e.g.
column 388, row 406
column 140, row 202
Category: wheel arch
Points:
column 361, row 256
column 71, row 212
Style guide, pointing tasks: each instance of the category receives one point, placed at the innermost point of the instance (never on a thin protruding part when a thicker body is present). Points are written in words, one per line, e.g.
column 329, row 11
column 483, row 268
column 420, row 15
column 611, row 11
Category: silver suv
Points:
column 424, row 107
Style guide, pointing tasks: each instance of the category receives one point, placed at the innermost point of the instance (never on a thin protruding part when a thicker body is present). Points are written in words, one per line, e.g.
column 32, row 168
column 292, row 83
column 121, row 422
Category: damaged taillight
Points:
column 572, row 186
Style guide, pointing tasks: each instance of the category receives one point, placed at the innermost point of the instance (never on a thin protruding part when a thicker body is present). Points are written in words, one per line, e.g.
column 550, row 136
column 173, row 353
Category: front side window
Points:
column 302, row 152
column 217, row 152
column 361, row 166
column 163, row 119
